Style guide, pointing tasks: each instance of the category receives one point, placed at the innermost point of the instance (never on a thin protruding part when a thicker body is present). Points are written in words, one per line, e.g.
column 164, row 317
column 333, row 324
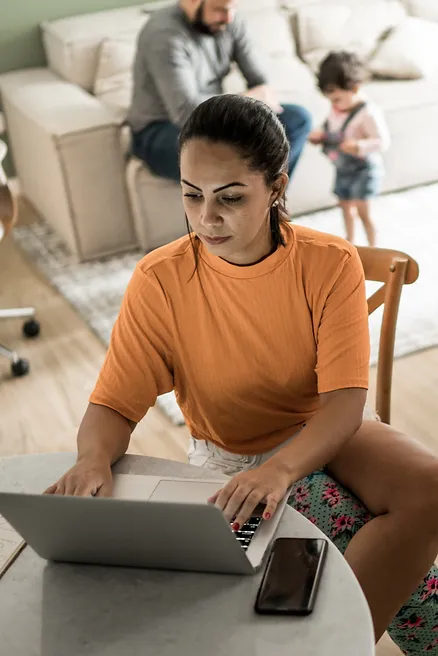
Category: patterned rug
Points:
column 406, row 221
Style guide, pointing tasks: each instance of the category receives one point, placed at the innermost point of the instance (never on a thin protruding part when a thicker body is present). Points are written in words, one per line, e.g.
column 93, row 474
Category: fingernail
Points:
column 235, row 526
column 267, row 516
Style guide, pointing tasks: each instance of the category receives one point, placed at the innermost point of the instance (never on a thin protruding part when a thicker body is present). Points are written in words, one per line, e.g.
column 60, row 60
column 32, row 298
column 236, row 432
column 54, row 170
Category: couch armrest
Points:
column 68, row 155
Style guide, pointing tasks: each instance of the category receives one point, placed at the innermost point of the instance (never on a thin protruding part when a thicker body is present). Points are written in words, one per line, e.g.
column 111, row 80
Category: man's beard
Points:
column 201, row 26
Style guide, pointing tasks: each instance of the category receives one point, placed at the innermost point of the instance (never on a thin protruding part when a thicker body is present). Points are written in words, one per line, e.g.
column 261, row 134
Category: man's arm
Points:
column 169, row 63
column 378, row 138
column 246, row 57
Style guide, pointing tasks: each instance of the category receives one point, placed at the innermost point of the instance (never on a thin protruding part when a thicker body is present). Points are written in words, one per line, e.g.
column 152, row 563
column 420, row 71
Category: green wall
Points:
column 20, row 42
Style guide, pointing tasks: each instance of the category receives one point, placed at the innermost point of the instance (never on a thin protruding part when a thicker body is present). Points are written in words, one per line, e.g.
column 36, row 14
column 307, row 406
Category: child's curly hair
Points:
column 341, row 70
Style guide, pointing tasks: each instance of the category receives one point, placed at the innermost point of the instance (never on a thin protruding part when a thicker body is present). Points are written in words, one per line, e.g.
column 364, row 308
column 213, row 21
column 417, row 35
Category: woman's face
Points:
column 226, row 203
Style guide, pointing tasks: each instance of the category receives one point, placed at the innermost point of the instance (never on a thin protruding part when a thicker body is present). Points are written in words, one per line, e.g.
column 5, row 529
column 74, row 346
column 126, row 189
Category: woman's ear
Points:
column 279, row 187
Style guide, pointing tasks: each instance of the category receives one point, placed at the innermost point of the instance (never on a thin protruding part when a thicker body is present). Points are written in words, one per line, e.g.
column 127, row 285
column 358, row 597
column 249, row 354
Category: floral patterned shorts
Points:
column 340, row 515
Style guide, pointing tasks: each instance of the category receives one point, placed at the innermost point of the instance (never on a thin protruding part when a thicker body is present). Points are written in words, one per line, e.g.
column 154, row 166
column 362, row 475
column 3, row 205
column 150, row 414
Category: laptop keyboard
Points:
column 246, row 533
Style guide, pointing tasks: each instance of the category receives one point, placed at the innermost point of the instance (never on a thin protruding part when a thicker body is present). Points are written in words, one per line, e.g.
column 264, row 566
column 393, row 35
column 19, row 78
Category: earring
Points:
column 275, row 203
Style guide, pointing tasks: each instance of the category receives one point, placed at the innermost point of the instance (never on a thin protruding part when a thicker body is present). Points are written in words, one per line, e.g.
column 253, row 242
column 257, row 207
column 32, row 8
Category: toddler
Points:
column 353, row 137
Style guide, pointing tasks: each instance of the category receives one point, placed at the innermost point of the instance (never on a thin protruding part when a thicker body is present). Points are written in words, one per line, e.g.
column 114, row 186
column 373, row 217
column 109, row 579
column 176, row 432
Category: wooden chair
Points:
column 394, row 269
column 31, row 328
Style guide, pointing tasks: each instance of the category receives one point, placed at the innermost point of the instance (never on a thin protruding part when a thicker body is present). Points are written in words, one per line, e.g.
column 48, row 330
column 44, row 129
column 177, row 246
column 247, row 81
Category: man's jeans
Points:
column 157, row 144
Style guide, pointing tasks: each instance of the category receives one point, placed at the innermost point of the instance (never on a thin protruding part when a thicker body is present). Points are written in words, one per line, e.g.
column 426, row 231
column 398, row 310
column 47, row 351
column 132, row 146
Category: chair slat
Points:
column 394, row 269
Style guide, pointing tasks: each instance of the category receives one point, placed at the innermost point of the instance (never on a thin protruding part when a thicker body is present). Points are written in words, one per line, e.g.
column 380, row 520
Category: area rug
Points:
column 407, row 221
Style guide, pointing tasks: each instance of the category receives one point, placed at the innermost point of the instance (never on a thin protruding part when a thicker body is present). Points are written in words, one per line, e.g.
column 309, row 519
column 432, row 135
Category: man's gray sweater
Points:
column 177, row 67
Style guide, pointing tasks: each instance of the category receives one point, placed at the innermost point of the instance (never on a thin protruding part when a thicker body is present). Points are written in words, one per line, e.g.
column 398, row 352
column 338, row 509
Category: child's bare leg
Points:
column 363, row 208
column 349, row 211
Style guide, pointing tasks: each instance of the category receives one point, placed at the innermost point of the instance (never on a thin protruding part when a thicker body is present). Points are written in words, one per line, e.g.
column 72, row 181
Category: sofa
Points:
column 71, row 147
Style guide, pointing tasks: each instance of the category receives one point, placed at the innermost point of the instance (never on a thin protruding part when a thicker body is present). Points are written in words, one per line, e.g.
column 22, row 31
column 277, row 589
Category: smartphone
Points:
column 292, row 576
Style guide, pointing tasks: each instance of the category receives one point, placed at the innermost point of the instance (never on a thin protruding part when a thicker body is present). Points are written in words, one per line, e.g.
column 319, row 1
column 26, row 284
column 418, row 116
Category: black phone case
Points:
column 298, row 611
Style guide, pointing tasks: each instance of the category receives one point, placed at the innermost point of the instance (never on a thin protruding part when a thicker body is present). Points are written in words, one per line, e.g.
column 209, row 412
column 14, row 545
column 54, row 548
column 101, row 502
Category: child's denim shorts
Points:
column 358, row 179
column 362, row 184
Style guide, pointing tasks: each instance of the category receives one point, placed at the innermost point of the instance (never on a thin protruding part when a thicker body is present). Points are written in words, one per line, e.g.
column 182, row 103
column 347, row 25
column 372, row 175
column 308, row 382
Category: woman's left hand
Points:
column 266, row 484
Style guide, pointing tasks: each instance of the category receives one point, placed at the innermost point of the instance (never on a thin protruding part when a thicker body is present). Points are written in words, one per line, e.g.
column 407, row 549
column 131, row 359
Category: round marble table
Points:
column 49, row 609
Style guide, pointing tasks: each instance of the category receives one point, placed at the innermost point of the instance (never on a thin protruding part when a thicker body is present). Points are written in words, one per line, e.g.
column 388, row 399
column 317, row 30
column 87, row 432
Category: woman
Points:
column 261, row 328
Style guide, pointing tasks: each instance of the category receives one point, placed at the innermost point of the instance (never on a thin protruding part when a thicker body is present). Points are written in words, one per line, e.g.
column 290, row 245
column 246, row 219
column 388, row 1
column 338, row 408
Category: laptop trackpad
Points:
column 185, row 491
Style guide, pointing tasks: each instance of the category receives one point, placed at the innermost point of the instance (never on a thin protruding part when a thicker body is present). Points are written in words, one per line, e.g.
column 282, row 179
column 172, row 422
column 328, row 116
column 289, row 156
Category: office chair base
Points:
column 19, row 366
column 17, row 313
column 31, row 328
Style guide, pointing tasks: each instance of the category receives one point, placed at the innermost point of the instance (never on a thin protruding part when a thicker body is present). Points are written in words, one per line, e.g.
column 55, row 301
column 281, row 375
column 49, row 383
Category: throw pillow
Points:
column 426, row 9
column 410, row 51
column 322, row 28
column 113, row 81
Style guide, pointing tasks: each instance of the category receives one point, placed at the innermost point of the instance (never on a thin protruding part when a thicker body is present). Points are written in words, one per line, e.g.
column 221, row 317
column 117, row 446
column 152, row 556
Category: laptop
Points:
column 151, row 522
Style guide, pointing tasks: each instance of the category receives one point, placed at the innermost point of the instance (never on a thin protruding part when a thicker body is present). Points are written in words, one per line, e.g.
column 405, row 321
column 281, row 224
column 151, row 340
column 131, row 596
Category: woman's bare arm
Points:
column 337, row 420
column 103, row 435
column 103, row 438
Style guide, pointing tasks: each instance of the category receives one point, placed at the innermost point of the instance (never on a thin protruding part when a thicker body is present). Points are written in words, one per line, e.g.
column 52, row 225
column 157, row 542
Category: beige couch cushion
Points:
column 400, row 96
column 272, row 34
column 72, row 44
column 113, row 82
column 270, row 30
column 409, row 52
column 322, row 28
column 427, row 9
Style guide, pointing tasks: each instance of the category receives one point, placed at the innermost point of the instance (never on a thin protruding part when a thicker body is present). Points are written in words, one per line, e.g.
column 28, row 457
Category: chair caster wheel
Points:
column 20, row 367
column 31, row 328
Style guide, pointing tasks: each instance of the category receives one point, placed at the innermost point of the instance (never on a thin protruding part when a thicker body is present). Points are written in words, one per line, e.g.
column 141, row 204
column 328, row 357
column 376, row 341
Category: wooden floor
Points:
column 41, row 412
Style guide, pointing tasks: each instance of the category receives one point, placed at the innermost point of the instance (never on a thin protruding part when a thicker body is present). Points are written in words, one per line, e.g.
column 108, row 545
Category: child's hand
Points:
column 316, row 137
column 350, row 147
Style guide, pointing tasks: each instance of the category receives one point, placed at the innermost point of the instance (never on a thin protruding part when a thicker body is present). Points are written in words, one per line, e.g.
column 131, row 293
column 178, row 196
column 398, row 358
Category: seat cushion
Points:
column 289, row 76
column 395, row 95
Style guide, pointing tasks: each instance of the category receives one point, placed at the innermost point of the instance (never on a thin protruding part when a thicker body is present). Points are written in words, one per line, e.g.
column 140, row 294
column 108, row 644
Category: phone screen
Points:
column 292, row 576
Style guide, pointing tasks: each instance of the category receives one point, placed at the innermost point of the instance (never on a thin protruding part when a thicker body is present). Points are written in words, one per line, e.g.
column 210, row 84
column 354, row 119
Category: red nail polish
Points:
column 267, row 515
column 235, row 526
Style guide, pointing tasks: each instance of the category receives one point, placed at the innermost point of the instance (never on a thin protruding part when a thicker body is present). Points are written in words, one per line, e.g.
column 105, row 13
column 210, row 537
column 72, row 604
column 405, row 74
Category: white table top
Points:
column 49, row 609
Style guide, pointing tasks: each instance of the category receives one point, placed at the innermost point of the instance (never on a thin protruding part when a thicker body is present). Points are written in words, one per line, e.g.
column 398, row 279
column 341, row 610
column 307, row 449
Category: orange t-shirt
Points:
column 247, row 349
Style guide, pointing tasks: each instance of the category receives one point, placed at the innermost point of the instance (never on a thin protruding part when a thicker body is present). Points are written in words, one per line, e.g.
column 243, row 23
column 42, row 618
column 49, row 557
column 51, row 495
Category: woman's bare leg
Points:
column 363, row 209
column 397, row 479
column 349, row 212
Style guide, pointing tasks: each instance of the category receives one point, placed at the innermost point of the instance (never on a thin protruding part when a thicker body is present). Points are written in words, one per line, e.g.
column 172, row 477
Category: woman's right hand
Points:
column 86, row 478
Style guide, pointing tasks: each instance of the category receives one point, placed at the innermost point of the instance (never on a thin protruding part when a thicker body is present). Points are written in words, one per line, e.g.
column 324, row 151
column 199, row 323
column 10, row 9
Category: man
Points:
column 184, row 53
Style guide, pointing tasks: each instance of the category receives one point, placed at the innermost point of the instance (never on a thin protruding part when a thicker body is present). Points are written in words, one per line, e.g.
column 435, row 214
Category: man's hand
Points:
column 86, row 478
column 350, row 147
column 316, row 137
column 267, row 484
column 265, row 94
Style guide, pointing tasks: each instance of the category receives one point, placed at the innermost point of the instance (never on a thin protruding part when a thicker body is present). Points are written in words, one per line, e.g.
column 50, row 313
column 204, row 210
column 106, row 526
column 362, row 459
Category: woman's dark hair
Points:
column 253, row 129
column 341, row 70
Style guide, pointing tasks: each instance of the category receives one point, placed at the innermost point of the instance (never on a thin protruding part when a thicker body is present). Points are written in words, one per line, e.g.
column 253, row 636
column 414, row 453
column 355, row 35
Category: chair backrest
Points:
column 394, row 269
column 8, row 210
